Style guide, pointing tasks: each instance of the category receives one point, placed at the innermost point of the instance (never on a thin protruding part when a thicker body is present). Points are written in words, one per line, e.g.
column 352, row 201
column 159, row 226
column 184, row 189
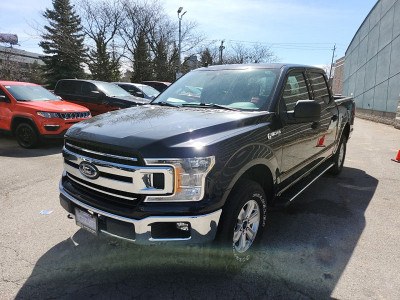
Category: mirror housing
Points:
column 305, row 111
column 96, row 94
column 4, row 99
column 139, row 94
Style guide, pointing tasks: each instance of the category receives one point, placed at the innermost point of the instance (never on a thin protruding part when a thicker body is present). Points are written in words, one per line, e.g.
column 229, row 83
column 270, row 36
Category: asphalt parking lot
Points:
column 340, row 239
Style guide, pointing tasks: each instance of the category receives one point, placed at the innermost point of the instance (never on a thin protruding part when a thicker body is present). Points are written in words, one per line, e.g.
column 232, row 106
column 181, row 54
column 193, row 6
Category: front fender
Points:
column 241, row 161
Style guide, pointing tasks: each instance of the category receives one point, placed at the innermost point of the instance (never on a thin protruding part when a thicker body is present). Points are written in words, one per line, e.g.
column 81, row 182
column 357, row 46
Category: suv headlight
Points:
column 190, row 177
column 47, row 115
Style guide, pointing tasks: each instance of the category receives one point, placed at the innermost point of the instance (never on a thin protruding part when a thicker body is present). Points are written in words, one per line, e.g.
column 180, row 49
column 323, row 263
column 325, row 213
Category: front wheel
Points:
column 243, row 219
column 26, row 135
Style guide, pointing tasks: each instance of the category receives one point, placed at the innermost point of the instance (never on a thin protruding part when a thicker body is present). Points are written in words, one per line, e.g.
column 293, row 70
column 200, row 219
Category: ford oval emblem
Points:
column 89, row 170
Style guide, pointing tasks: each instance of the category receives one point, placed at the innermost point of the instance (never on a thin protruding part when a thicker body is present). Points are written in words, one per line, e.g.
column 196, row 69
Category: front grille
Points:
column 112, row 204
column 109, row 181
column 73, row 115
column 103, row 153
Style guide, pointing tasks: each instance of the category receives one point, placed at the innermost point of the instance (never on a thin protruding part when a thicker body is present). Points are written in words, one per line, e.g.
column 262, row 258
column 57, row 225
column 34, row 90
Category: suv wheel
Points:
column 243, row 219
column 26, row 135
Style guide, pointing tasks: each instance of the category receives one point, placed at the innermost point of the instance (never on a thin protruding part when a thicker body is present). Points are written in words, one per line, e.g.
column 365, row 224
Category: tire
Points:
column 338, row 157
column 26, row 136
column 243, row 220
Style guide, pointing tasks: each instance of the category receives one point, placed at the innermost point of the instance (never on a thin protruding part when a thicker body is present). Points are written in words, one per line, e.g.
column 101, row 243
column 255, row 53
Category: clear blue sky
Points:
column 297, row 31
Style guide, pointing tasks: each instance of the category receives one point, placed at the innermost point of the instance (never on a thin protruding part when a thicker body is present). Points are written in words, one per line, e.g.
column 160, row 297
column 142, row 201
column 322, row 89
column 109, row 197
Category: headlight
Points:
column 190, row 177
column 46, row 114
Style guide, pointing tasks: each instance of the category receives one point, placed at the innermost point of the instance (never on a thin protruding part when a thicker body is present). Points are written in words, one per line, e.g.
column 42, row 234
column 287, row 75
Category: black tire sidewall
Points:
column 33, row 134
column 336, row 168
column 245, row 191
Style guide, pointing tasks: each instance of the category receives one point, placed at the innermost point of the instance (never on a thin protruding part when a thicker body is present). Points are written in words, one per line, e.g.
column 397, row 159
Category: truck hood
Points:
column 132, row 99
column 53, row 106
column 157, row 131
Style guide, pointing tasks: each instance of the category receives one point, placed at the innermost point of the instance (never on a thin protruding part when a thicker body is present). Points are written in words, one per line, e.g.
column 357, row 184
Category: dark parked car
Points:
column 98, row 96
column 139, row 90
column 158, row 85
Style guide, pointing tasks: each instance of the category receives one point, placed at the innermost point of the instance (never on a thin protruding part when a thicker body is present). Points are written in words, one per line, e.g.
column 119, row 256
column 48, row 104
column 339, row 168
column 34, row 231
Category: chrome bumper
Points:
column 203, row 227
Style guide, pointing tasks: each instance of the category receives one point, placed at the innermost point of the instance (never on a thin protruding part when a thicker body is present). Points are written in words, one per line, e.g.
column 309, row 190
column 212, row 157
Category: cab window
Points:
column 69, row 87
column 88, row 88
column 320, row 87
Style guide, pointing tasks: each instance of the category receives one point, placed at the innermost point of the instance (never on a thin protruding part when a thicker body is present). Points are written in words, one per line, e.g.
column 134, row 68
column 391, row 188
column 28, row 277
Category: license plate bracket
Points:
column 86, row 220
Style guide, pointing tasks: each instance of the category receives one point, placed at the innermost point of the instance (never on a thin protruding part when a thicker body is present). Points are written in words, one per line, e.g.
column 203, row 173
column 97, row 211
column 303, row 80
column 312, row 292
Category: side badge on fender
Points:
column 274, row 133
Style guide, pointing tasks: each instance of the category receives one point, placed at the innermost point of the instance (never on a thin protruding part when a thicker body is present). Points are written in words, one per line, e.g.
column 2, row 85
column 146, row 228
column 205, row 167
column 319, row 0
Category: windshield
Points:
column 30, row 93
column 149, row 91
column 112, row 90
column 248, row 89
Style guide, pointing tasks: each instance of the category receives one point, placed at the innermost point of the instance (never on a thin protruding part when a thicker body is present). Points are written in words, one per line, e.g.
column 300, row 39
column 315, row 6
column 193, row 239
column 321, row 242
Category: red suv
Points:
column 31, row 112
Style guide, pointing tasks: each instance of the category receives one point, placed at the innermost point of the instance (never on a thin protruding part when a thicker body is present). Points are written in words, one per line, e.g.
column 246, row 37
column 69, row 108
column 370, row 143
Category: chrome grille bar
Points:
column 102, row 154
column 142, row 177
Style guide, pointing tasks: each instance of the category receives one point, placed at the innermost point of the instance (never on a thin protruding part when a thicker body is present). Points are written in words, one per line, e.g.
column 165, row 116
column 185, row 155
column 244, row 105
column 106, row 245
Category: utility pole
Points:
column 221, row 48
column 333, row 55
column 179, row 44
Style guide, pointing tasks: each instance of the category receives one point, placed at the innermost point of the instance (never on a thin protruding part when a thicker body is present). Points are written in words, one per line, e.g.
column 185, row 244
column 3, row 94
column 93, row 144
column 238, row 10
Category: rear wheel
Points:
column 338, row 157
column 26, row 135
column 243, row 220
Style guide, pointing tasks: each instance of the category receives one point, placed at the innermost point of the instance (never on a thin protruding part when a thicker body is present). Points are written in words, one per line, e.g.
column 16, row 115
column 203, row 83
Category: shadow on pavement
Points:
column 10, row 148
column 303, row 253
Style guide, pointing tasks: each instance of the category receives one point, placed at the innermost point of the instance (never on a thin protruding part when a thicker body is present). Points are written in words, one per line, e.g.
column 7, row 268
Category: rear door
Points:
column 70, row 90
column 324, row 144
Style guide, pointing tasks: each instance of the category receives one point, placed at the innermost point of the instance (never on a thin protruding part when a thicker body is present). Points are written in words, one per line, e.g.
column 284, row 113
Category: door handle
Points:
column 315, row 125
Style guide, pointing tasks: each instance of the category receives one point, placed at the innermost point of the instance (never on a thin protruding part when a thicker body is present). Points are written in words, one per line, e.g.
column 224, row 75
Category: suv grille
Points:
column 73, row 115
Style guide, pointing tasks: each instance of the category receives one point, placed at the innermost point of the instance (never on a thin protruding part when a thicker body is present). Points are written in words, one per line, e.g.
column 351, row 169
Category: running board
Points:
column 289, row 195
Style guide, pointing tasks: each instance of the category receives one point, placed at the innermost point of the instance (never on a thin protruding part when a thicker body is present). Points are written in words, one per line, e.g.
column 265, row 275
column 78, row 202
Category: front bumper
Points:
column 201, row 228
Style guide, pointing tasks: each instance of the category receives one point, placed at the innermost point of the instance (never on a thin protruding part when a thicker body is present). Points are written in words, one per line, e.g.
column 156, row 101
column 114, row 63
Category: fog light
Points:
column 182, row 226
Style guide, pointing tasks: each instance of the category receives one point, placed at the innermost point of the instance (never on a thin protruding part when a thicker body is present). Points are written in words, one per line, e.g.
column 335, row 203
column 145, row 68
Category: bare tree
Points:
column 161, row 32
column 138, row 18
column 240, row 54
column 10, row 69
column 101, row 22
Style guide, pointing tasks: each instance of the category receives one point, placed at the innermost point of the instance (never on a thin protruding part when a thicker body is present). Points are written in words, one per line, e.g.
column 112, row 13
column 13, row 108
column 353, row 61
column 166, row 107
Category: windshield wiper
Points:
column 209, row 105
column 163, row 103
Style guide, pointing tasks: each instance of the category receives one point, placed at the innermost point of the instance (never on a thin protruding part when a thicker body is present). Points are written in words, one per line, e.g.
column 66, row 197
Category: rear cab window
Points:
column 320, row 87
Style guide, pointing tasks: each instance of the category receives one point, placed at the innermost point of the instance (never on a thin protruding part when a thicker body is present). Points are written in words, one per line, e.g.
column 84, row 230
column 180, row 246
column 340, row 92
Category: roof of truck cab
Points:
column 255, row 66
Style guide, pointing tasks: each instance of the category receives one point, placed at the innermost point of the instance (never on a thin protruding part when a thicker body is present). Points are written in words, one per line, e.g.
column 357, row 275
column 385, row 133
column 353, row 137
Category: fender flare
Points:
column 270, row 162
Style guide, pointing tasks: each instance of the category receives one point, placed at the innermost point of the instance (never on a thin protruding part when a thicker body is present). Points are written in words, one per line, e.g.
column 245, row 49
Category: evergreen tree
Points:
column 99, row 64
column 160, row 61
column 141, row 63
column 115, row 65
column 206, row 58
column 63, row 43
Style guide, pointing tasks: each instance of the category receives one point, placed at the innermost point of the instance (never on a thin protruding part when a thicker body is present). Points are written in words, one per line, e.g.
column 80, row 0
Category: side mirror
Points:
column 96, row 94
column 139, row 94
column 305, row 111
column 4, row 99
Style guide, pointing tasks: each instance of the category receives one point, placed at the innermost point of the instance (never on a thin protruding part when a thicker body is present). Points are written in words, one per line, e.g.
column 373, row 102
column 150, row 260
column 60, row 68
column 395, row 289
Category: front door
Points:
column 5, row 112
column 299, row 138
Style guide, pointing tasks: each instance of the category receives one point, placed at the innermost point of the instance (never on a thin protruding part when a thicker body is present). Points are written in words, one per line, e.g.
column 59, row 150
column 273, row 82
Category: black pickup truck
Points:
column 207, row 158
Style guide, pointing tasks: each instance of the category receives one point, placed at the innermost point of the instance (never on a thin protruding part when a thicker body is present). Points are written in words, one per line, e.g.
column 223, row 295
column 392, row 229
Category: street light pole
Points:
column 180, row 40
